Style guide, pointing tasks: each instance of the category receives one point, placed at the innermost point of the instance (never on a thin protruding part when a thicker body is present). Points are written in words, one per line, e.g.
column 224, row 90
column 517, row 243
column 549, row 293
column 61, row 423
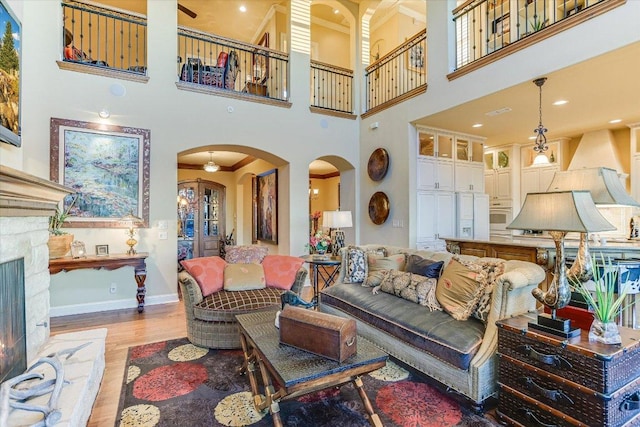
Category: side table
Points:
column 325, row 269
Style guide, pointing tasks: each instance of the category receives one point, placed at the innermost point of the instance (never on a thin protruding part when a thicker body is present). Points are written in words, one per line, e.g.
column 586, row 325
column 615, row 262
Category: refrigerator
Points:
column 472, row 216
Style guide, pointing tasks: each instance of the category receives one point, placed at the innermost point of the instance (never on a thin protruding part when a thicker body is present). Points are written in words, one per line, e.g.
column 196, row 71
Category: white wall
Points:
column 178, row 120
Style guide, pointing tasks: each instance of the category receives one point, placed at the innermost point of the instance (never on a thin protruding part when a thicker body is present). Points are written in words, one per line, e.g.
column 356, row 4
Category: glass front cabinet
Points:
column 201, row 218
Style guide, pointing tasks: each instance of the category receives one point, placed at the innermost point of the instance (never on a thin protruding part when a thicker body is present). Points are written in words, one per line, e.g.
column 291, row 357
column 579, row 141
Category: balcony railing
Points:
column 399, row 73
column 104, row 37
column 486, row 26
column 212, row 61
column 331, row 87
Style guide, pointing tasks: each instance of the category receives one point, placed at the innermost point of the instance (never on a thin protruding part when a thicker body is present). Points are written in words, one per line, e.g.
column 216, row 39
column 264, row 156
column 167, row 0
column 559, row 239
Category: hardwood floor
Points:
column 126, row 328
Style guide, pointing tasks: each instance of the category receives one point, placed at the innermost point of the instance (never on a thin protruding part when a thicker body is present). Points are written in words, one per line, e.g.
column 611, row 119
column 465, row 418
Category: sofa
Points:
column 461, row 354
column 215, row 290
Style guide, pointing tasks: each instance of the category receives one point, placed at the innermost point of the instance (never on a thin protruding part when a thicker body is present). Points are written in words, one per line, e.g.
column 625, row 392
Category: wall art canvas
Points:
column 10, row 48
column 107, row 166
column 267, row 206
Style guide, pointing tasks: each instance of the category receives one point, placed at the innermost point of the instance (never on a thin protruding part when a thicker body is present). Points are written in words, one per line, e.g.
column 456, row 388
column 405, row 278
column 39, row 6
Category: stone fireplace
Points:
column 26, row 202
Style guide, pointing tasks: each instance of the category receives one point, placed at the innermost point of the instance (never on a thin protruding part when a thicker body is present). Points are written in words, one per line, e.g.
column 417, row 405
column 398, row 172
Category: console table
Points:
column 108, row 262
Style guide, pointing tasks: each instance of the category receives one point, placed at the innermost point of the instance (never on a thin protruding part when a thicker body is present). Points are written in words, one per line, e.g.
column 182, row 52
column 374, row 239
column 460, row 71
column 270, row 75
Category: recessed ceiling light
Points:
column 336, row 11
column 615, row 121
column 477, row 125
column 243, row 8
column 532, row 138
column 560, row 102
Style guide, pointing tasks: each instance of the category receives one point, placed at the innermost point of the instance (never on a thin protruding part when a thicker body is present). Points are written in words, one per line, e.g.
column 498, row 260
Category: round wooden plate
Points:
column 378, row 164
column 379, row 208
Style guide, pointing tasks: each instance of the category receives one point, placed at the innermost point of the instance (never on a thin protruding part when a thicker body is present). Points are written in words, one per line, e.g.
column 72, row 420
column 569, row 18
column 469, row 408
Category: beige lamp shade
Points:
column 337, row 219
column 569, row 211
column 603, row 183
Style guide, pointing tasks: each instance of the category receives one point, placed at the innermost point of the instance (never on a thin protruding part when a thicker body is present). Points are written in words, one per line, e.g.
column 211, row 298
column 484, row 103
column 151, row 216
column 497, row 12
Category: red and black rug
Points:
column 174, row 383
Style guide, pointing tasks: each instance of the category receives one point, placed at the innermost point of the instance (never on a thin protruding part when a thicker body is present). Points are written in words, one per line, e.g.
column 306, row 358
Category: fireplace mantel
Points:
column 23, row 194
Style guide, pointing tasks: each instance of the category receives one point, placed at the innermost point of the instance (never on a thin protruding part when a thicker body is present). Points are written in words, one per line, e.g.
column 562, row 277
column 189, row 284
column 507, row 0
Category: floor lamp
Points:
column 558, row 213
column 335, row 220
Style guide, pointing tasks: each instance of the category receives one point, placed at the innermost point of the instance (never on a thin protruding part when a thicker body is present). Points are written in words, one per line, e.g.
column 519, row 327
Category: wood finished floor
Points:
column 126, row 328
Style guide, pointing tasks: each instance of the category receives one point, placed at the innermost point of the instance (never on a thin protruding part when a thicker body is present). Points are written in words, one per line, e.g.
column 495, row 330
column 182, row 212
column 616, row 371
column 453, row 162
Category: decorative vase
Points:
column 59, row 245
column 604, row 332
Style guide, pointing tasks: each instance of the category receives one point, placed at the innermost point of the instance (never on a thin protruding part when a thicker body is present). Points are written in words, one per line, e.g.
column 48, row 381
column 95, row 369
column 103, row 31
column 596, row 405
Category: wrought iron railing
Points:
column 331, row 87
column 485, row 26
column 217, row 62
column 104, row 37
column 399, row 72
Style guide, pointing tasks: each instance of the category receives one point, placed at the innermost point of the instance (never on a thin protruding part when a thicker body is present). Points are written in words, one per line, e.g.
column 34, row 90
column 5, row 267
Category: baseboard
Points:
column 68, row 310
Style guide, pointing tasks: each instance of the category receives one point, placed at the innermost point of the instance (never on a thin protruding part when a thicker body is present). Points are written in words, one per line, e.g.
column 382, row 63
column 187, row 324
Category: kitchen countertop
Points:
column 547, row 242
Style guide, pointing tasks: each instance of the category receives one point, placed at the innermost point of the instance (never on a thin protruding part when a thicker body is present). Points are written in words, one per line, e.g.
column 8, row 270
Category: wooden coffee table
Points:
column 295, row 372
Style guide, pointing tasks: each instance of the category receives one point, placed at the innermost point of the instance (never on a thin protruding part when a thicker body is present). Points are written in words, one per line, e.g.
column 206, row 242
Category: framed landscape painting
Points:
column 107, row 166
column 267, row 206
column 10, row 70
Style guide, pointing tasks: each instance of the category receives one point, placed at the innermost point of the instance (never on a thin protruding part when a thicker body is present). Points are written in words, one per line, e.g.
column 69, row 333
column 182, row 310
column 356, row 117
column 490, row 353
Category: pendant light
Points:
column 211, row 166
column 541, row 141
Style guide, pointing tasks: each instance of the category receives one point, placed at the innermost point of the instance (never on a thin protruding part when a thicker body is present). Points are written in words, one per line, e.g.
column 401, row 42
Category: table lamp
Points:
column 558, row 213
column 335, row 220
column 132, row 222
column 606, row 190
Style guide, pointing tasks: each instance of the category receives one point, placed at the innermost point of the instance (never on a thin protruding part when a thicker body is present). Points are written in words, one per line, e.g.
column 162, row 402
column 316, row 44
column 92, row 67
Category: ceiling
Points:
column 598, row 90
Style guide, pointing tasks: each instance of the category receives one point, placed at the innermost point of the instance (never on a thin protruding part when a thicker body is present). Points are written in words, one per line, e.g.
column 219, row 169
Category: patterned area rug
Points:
column 174, row 383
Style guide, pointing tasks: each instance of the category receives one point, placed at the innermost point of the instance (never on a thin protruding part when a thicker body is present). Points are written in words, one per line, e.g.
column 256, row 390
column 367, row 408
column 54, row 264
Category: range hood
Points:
column 596, row 149
column 603, row 183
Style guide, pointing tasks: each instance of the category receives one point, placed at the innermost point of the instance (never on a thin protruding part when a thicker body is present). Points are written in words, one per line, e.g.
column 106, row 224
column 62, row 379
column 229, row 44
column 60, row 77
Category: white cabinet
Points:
column 499, row 177
column 468, row 168
column 472, row 216
column 436, row 215
column 435, row 174
column 536, row 179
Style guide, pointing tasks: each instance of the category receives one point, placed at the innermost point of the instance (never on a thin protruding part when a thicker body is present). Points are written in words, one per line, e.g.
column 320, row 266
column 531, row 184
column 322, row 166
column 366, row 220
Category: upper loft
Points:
column 363, row 58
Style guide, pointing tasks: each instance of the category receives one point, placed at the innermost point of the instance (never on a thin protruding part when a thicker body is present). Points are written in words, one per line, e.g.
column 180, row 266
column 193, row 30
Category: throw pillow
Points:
column 208, row 273
column 492, row 269
column 280, row 270
column 244, row 277
column 463, row 284
column 424, row 267
column 245, row 254
column 377, row 267
column 412, row 287
column 356, row 265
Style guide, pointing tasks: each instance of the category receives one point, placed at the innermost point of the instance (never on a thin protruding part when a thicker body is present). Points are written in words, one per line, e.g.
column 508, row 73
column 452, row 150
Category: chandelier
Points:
column 211, row 166
column 541, row 140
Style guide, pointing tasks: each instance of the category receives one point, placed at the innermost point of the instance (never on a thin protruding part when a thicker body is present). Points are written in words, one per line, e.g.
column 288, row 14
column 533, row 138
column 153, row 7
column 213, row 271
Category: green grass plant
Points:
column 606, row 304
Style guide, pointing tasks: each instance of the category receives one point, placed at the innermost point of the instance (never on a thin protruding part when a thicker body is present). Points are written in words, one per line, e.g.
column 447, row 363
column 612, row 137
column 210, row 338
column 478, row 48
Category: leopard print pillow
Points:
column 412, row 287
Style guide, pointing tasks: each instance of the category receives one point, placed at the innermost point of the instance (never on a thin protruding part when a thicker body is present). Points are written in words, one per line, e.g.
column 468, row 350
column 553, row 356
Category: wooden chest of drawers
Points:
column 551, row 381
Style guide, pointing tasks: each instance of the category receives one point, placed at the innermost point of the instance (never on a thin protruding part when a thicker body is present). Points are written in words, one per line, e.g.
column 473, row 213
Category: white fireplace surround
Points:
column 26, row 202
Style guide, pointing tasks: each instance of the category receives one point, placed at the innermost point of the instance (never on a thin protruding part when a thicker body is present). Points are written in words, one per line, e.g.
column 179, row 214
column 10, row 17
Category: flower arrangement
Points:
column 316, row 215
column 319, row 242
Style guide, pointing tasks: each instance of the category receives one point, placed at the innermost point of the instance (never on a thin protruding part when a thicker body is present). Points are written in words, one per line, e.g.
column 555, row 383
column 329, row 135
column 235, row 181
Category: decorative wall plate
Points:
column 379, row 208
column 378, row 164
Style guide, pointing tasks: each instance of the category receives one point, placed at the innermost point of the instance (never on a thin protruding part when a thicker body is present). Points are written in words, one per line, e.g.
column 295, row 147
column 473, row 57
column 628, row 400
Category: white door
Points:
column 463, row 176
column 503, row 185
column 490, row 183
column 481, row 217
column 446, row 214
column 427, row 208
column 445, row 175
column 477, row 177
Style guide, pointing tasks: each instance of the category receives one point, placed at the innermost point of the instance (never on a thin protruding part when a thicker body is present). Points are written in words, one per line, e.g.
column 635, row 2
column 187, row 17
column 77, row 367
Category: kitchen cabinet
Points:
column 536, row 179
column 500, row 179
column 436, row 218
column 435, row 161
column 201, row 214
column 468, row 168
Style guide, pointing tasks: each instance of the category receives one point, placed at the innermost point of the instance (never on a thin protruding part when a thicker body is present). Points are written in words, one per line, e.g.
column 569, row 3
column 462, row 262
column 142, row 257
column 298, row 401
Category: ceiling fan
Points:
column 187, row 11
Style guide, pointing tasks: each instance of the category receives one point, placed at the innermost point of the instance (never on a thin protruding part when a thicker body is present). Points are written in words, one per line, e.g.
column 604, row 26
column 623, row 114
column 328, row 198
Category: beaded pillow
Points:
column 356, row 263
column 412, row 287
column 244, row 277
column 246, row 254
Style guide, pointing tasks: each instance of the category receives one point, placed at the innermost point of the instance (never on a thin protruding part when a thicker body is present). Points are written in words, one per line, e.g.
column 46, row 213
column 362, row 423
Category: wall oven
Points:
column 499, row 218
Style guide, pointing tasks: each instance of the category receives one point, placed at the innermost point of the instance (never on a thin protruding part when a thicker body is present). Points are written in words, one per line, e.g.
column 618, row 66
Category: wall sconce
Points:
column 104, row 113
column 314, row 193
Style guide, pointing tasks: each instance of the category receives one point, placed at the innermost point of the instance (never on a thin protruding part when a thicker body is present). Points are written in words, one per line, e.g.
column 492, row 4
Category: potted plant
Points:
column 59, row 241
column 537, row 24
column 605, row 300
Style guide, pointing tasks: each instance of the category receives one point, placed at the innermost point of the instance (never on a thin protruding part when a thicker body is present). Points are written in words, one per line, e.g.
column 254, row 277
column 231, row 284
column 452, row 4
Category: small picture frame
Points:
column 102, row 250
